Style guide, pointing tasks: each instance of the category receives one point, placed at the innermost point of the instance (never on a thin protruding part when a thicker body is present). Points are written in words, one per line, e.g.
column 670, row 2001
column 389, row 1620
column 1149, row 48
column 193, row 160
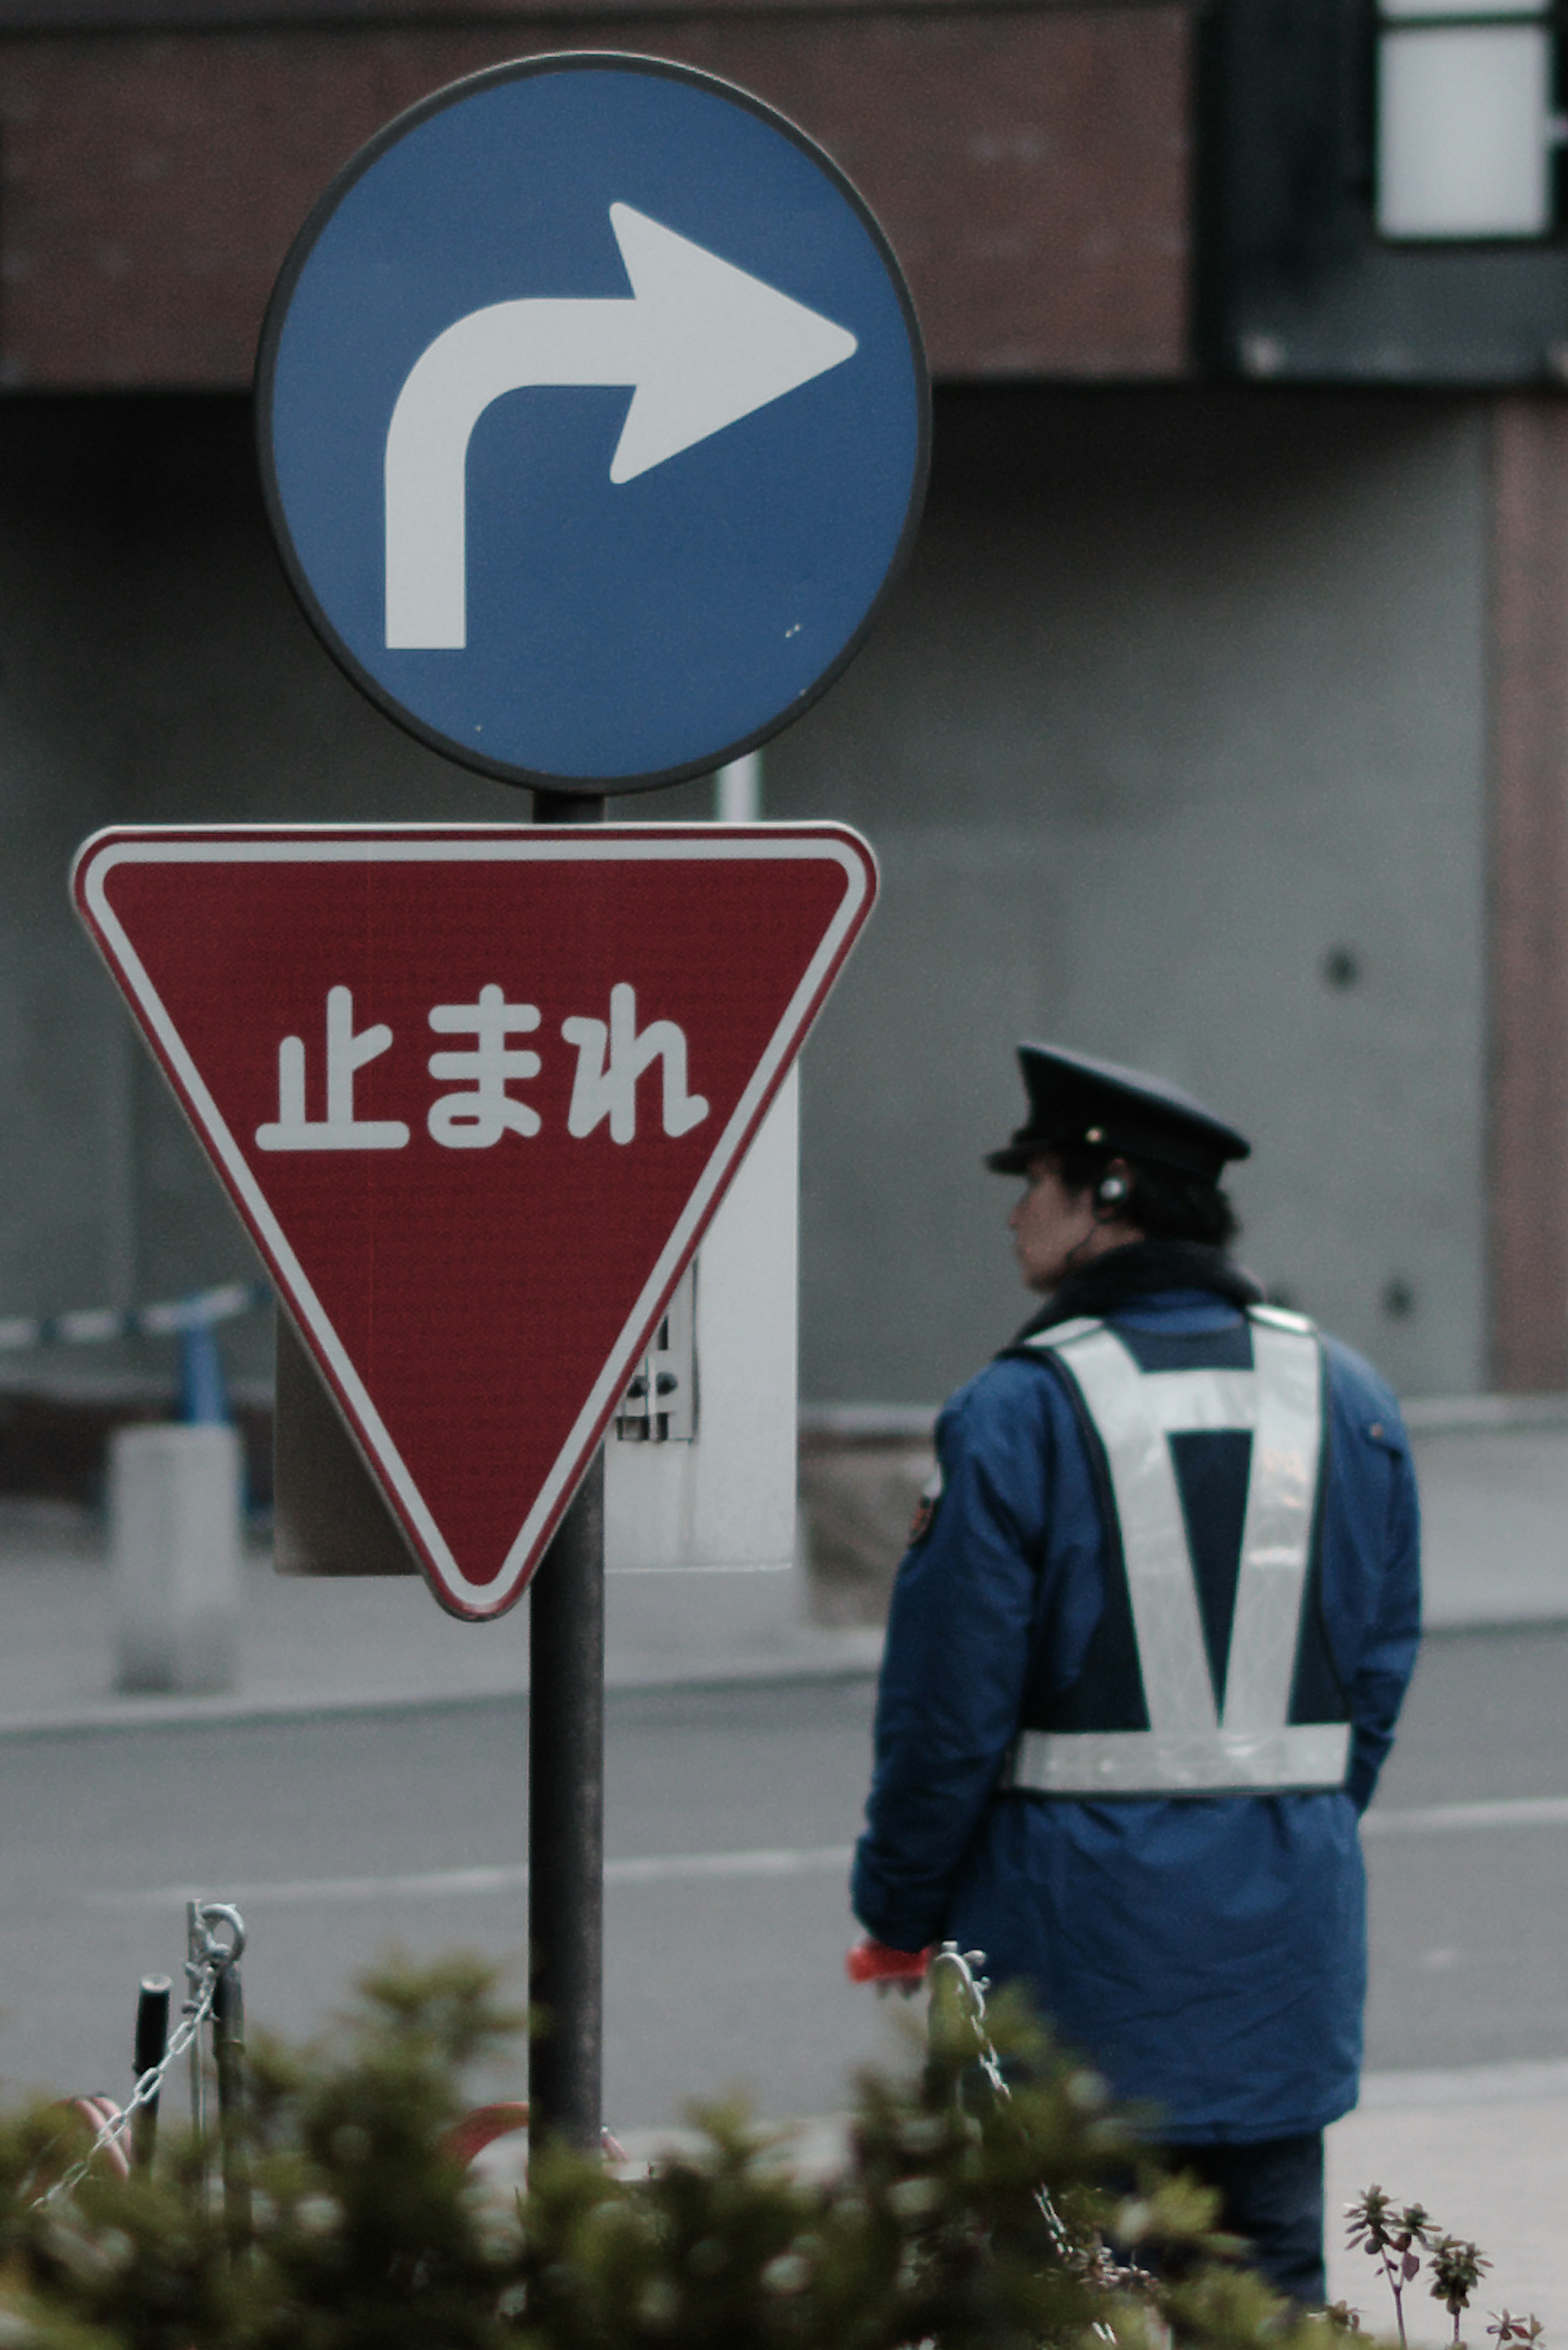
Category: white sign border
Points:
column 106, row 851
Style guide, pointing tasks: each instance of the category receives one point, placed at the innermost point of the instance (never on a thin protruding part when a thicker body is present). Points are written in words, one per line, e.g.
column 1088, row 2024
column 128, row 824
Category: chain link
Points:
column 202, row 1971
column 1092, row 2260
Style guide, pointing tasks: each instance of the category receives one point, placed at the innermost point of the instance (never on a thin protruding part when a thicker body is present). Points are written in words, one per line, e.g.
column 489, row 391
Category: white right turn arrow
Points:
column 702, row 342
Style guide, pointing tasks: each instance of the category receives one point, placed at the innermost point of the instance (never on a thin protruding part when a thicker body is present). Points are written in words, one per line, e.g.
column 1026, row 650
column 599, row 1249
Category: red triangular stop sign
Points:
column 476, row 1091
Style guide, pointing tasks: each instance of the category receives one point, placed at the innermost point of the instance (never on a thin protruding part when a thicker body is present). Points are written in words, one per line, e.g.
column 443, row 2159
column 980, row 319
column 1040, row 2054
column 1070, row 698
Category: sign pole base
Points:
column 566, row 1781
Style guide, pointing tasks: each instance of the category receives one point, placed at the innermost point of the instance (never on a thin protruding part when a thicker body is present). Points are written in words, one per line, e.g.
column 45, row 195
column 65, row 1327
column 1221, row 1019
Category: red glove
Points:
column 485, row 2124
column 880, row 1964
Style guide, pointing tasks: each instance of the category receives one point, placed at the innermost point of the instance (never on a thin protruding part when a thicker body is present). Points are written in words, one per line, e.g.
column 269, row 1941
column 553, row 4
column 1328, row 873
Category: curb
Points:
column 122, row 1713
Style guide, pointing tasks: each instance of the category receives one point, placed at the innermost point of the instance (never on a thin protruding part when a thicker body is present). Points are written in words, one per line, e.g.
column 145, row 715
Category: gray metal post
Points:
column 151, row 2040
column 229, row 2061
column 566, row 1778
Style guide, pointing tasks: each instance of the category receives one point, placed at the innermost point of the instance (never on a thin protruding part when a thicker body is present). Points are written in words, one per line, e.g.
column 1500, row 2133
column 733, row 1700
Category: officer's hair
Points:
column 1160, row 1201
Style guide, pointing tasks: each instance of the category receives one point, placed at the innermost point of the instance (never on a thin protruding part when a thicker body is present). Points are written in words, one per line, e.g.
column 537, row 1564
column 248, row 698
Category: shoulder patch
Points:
column 926, row 1508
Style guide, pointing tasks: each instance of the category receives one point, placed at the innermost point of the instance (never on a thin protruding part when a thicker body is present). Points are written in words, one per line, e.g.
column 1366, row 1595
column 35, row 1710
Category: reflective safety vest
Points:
column 1198, row 1742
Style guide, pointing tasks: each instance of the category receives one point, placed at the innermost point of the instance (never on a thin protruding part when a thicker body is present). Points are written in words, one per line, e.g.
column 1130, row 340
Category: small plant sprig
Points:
column 1389, row 2235
column 1455, row 2273
column 1508, row 2329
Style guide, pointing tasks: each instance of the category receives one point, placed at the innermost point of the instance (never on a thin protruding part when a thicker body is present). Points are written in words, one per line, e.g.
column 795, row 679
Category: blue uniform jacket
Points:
column 1210, row 1953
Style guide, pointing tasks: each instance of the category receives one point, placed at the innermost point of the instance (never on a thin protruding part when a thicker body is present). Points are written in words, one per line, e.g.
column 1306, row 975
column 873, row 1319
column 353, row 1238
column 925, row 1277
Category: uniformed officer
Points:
column 1145, row 1657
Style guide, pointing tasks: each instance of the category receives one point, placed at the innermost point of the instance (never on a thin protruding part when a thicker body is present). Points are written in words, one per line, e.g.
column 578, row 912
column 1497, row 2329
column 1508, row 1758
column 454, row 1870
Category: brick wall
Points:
column 1031, row 167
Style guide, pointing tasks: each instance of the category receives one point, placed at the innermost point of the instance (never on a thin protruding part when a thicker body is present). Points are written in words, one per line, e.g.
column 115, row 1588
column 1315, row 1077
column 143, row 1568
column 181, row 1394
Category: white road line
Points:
column 686, row 1868
column 443, row 1884
column 1448, row 1819
column 818, row 2143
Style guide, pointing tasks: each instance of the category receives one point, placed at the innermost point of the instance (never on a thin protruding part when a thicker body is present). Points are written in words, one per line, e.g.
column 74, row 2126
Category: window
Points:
column 1467, row 125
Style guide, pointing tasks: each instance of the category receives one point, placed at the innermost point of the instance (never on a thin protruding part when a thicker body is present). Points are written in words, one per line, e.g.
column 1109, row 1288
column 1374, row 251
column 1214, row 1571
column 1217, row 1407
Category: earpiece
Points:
column 1113, row 1189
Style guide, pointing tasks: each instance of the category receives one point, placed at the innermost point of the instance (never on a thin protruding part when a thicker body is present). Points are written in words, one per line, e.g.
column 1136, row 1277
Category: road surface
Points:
column 730, row 1815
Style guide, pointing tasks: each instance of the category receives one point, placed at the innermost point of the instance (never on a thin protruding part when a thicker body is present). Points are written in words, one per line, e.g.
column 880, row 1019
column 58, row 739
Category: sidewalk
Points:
column 1493, row 1473
column 335, row 1647
column 1494, row 1476
column 1485, row 2148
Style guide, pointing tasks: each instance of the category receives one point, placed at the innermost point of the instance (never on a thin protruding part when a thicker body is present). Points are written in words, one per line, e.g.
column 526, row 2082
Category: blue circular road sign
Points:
column 593, row 420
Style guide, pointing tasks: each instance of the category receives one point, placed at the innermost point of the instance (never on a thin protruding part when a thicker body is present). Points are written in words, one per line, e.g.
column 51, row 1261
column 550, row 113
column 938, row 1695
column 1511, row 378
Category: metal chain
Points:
column 203, row 1970
column 1091, row 2261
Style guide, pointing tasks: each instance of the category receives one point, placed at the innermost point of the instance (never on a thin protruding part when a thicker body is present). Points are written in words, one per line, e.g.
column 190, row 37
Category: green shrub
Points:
column 366, row 2235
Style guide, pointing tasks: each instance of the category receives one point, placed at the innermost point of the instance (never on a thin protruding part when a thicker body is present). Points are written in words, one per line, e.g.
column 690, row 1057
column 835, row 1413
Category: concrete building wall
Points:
column 1172, row 745
column 152, row 669
column 1172, row 749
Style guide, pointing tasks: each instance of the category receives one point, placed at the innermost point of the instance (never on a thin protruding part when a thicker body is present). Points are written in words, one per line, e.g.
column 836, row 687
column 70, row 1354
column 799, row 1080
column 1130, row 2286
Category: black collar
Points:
column 1138, row 1270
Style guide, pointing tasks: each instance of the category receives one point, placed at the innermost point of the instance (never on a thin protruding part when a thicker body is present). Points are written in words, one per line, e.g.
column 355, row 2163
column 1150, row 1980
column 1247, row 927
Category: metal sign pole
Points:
column 566, row 1779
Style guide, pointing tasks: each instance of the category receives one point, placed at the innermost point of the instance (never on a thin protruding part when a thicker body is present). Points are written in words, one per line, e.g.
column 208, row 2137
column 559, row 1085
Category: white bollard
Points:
column 174, row 1557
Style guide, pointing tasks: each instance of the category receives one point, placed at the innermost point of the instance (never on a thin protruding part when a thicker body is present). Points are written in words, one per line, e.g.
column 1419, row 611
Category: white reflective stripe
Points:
column 1280, row 1317
column 1187, row 1402
column 1282, row 1492
column 1308, row 1755
column 1060, row 1332
column 1188, row 1748
column 1179, row 1687
column 1180, row 1402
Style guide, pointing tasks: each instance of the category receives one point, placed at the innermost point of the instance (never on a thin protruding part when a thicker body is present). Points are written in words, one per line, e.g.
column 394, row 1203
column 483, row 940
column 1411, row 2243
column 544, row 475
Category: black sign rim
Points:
column 299, row 252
